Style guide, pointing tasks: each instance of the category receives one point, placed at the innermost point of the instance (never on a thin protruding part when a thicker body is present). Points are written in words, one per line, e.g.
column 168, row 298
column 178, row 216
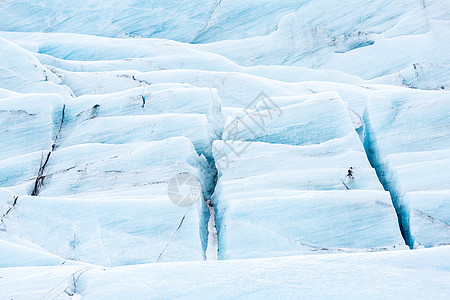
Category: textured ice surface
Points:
column 152, row 113
column 14, row 255
column 155, row 99
column 22, row 72
column 295, row 195
column 269, row 223
column 429, row 217
column 408, row 136
column 130, row 129
column 19, row 172
column 29, row 123
column 422, row 273
column 234, row 89
column 121, row 230
column 293, row 86
column 310, row 122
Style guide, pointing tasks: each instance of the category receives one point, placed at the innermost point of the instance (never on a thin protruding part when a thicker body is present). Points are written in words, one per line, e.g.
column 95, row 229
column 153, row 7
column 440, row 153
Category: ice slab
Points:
column 22, row 72
column 299, row 163
column 29, row 123
column 264, row 188
column 110, row 232
column 424, row 273
column 14, row 255
column 235, row 89
column 408, row 121
column 262, row 166
column 133, row 129
column 429, row 217
column 19, row 173
column 408, row 134
column 310, row 122
column 150, row 100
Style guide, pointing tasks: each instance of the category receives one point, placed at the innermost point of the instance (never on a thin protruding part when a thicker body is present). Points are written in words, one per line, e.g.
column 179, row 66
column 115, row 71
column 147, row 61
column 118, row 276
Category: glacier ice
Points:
column 306, row 125
column 22, row 72
column 422, row 273
column 29, row 123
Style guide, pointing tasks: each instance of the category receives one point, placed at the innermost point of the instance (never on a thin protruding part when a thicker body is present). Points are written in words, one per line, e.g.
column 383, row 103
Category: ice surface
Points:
column 19, row 173
column 22, row 72
column 302, row 222
column 310, row 122
column 422, row 273
column 408, row 137
column 152, row 113
column 107, row 168
column 429, row 217
column 234, row 89
column 155, row 99
column 131, row 129
column 96, row 128
column 13, row 255
column 7, row 93
column 123, row 230
column 295, row 195
column 29, row 123
column 118, row 211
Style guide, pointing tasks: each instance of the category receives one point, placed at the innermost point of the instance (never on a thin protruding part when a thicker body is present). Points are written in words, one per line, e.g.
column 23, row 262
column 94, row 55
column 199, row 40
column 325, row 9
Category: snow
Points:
column 421, row 273
column 297, row 124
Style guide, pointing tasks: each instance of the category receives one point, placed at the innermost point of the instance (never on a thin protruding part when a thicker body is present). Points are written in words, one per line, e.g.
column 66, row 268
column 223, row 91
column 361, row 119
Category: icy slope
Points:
column 298, row 178
column 398, row 274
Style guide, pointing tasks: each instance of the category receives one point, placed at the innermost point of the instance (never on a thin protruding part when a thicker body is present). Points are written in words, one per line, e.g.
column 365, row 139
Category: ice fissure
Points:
column 381, row 174
column 212, row 249
column 44, row 160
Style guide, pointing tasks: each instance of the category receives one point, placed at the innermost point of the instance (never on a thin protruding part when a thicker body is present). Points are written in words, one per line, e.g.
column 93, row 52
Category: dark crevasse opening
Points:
column 382, row 173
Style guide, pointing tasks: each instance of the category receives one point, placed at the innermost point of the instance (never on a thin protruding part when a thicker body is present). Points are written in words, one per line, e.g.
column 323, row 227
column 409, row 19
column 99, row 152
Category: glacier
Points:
column 224, row 149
